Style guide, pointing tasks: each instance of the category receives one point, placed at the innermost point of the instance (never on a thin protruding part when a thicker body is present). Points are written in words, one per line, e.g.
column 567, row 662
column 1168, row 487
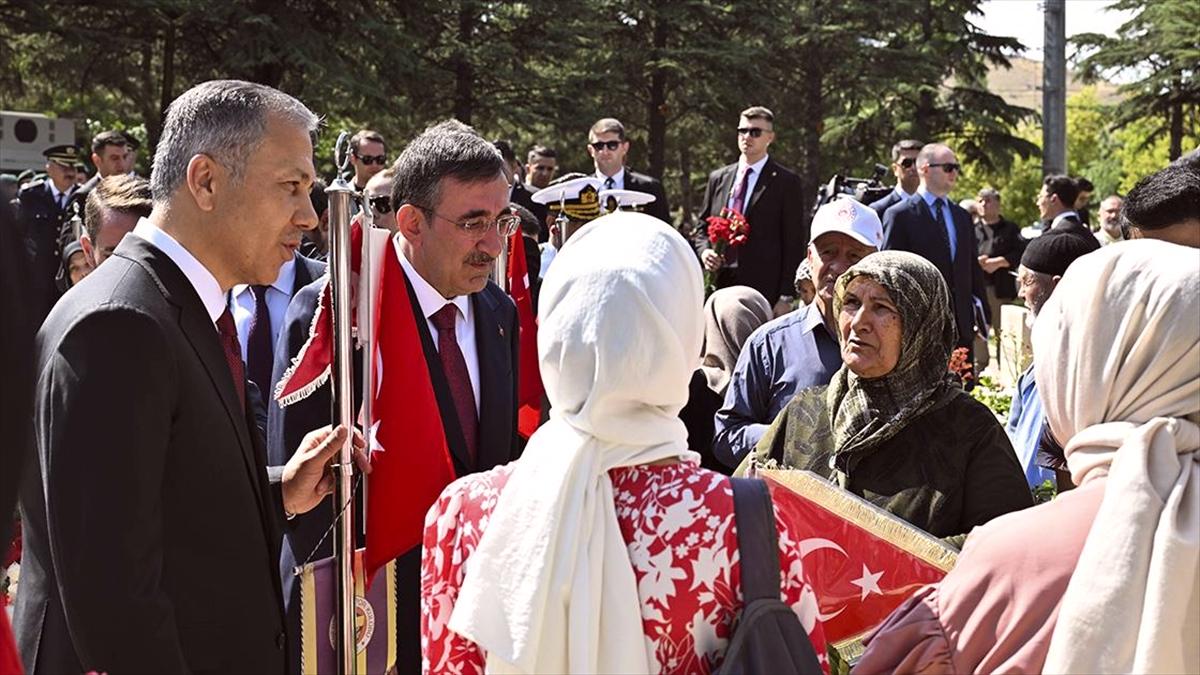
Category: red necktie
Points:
column 455, row 367
column 739, row 195
column 233, row 354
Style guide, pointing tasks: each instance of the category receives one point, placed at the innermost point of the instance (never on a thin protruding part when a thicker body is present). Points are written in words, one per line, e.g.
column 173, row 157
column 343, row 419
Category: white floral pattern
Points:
column 677, row 521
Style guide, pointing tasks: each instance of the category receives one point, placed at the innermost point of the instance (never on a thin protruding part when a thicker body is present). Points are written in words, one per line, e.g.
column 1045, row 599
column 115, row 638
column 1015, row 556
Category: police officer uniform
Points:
column 44, row 211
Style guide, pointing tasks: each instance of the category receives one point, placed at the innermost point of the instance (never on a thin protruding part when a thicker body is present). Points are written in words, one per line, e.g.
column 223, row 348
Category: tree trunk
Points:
column 657, row 106
column 1176, row 125
column 812, row 78
column 926, row 103
column 166, row 89
column 464, row 70
column 685, row 188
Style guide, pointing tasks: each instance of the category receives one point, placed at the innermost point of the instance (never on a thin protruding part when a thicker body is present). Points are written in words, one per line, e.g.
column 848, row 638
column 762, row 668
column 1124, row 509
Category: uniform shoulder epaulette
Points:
column 33, row 184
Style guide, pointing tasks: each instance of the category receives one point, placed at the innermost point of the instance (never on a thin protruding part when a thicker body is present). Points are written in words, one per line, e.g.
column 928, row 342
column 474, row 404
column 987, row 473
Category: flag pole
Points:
column 341, row 194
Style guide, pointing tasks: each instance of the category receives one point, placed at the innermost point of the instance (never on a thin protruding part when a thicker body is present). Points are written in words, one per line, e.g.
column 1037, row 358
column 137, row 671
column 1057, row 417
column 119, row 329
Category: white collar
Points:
column 54, row 191
column 200, row 277
column 903, row 195
column 929, row 197
column 283, row 282
column 1061, row 216
column 427, row 296
column 757, row 166
column 618, row 177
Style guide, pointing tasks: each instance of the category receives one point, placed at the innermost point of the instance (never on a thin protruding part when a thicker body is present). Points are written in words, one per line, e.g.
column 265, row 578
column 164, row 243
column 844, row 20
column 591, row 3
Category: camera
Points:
column 865, row 190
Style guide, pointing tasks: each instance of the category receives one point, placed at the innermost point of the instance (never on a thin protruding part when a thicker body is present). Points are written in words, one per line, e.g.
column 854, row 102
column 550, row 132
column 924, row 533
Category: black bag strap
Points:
column 758, row 546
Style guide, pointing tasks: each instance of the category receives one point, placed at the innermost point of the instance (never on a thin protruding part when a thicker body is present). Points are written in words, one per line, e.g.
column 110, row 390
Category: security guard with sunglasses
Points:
column 904, row 168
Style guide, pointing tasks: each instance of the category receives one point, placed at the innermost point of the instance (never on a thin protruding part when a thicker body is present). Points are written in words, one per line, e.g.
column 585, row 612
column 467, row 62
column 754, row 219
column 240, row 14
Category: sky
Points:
column 1022, row 19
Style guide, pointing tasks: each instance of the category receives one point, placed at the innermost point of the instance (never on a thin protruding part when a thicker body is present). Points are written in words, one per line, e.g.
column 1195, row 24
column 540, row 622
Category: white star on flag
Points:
column 868, row 582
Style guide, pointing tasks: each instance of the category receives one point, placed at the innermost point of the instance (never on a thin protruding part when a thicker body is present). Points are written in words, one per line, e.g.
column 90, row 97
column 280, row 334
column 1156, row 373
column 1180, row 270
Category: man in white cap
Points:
column 799, row 349
column 571, row 202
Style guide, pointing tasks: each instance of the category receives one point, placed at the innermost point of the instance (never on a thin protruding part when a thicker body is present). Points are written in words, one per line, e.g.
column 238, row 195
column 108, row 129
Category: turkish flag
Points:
column 529, row 385
column 863, row 561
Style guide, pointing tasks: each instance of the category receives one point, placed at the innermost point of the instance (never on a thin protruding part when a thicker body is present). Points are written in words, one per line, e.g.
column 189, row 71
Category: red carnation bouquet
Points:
column 725, row 231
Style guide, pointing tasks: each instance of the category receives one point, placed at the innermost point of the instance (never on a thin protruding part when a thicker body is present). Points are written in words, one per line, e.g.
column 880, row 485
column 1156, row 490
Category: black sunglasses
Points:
column 382, row 203
column 949, row 167
column 371, row 159
column 907, row 162
column 601, row 145
column 752, row 132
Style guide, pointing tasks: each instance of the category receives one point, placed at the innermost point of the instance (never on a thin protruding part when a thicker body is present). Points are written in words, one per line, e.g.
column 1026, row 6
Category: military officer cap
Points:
column 627, row 200
column 66, row 155
column 574, row 196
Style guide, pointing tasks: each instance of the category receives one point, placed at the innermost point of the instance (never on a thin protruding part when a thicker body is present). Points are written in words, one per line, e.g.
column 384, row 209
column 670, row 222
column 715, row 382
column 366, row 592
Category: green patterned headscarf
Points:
column 866, row 412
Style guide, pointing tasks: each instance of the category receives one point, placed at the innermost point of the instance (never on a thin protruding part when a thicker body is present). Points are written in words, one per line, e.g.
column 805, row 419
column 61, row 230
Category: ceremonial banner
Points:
column 868, row 560
column 529, row 386
column 374, row 618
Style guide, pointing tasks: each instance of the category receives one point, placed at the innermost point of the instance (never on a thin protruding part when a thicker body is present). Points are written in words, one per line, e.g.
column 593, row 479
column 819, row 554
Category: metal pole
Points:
column 500, row 267
column 1054, row 88
column 341, row 194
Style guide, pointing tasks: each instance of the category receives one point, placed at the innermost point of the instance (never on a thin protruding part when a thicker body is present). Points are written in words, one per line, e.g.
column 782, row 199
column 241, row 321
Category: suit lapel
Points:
column 724, row 188
column 768, row 174
column 493, row 376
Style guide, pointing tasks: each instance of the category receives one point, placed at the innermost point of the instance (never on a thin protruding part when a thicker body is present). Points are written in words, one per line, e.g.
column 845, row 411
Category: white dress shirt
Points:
column 1061, row 217
column 197, row 274
column 464, row 325
column 903, row 195
column 618, row 180
column 60, row 197
column 750, row 182
column 279, row 294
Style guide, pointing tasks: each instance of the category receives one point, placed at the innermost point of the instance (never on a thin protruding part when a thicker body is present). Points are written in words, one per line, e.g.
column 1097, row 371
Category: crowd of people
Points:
column 167, row 495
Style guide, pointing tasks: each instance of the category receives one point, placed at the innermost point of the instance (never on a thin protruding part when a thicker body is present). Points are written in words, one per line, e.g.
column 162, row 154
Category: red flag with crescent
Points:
column 529, row 385
column 866, row 560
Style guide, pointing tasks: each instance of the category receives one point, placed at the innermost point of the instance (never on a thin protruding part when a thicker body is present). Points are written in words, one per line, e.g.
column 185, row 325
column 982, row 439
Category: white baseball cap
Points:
column 846, row 215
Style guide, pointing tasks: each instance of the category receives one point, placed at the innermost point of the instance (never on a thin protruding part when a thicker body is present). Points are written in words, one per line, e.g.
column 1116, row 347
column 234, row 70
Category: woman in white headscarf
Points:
column 1105, row 578
column 605, row 548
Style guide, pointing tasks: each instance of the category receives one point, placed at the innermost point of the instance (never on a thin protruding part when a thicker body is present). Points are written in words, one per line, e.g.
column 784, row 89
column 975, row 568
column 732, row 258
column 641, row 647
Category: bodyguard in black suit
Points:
column 771, row 198
column 923, row 224
column 151, row 533
column 1056, row 206
column 904, row 168
column 446, row 250
column 608, row 146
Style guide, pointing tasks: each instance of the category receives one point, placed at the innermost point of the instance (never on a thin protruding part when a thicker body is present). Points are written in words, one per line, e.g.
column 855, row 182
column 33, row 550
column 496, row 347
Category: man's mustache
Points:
column 480, row 258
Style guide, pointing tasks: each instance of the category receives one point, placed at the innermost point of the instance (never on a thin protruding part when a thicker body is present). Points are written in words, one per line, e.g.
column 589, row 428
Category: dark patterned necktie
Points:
column 233, row 354
column 259, row 352
column 939, row 215
column 608, row 183
column 455, row 367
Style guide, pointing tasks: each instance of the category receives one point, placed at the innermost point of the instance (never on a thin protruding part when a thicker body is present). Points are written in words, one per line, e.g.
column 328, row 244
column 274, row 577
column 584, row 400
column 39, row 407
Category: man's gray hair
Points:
column 448, row 149
column 224, row 119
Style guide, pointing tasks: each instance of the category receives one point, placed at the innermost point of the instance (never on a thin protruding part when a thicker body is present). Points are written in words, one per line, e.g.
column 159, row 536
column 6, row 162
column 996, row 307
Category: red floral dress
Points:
column 677, row 521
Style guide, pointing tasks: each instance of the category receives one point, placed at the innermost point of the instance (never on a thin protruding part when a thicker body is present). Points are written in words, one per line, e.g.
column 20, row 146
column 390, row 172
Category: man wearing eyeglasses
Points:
column 449, row 206
column 935, row 228
column 771, row 199
column 904, row 168
column 608, row 146
column 368, row 156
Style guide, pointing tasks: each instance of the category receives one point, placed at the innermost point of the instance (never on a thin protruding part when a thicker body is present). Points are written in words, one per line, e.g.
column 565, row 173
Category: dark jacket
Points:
column 702, row 406
column 946, row 472
column 43, row 224
column 153, row 545
column 1001, row 239
column 659, row 208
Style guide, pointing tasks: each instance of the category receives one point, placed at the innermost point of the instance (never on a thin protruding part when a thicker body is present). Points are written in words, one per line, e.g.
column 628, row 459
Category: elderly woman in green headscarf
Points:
column 893, row 426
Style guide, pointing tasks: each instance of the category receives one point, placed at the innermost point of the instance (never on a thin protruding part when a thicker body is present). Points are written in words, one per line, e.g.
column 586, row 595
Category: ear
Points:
column 411, row 223
column 85, row 242
column 203, row 175
column 95, row 159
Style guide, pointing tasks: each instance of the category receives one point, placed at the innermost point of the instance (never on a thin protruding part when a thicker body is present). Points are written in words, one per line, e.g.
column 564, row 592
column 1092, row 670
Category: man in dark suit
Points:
column 43, row 211
column 518, row 192
column 110, row 152
column 904, row 168
column 770, row 197
column 151, row 533
column 608, row 146
column 1056, row 206
column 453, row 202
column 935, row 228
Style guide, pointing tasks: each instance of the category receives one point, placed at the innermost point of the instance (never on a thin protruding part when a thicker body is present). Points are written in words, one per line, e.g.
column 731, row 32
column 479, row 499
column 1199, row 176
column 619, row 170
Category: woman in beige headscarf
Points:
column 1105, row 578
column 730, row 316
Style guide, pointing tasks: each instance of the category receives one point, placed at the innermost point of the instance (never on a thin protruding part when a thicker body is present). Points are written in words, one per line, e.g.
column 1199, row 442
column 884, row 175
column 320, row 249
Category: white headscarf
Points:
column 1117, row 358
column 551, row 589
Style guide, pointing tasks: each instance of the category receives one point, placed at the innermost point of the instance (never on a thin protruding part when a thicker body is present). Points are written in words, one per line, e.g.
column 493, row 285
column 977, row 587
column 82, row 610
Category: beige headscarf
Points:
column 1117, row 358
column 730, row 316
column 551, row 588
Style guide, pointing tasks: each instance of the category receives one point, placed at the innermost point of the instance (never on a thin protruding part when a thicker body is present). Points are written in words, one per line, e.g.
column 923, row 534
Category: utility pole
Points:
column 1054, row 88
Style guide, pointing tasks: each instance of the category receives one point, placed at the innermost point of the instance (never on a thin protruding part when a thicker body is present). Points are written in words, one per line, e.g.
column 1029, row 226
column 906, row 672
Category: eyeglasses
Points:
column 382, row 203
column 605, row 145
column 752, row 132
column 371, row 159
column 505, row 224
column 948, row 167
column 907, row 162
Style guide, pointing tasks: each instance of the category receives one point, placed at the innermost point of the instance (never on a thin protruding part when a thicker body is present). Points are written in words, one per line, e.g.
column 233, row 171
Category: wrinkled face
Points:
column 829, row 257
column 541, row 171
column 78, row 267
column 940, row 179
column 870, row 329
column 751, row 146
column 611, row 157
column 257, row 223
column 111, row 160
column 1110, row 214
column 61, row 175
column 114, row 225
column 453, row 260
column 1034, row 288
column 368, row 160
column 991, row 207
column 905, row 170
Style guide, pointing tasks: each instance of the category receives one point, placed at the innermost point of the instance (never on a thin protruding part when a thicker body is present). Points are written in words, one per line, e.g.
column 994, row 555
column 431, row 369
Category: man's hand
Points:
column 309, row 476
column 712, row 261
